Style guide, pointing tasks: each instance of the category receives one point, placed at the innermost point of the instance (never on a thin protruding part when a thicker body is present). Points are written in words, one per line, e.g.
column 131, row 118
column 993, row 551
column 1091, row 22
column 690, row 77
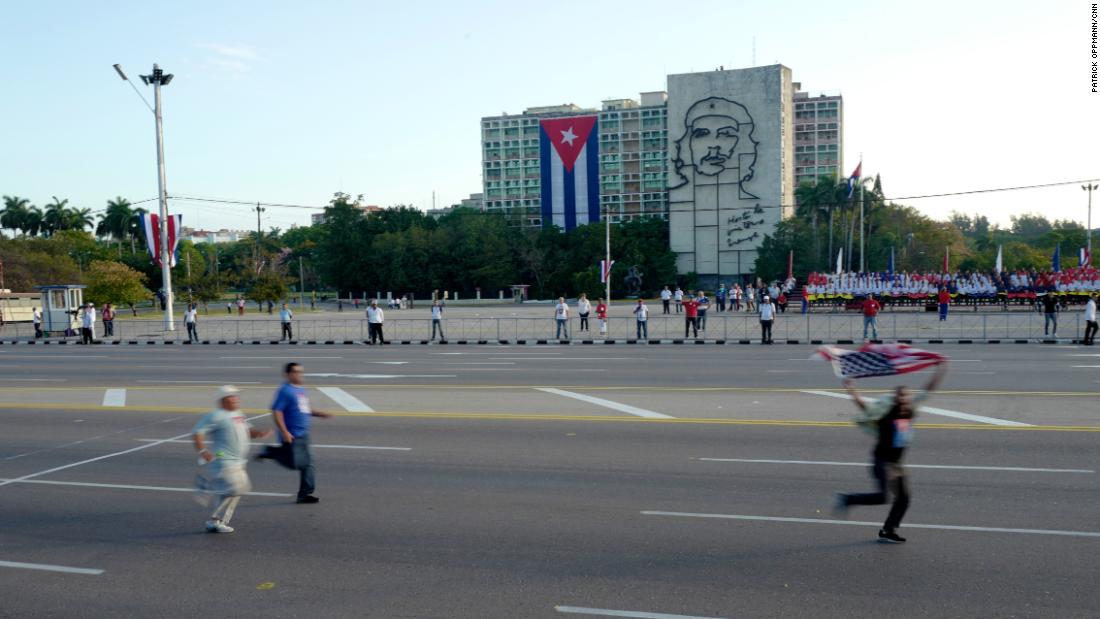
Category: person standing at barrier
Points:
column 1090, row 320
column 750, row 298
column 720, row 297
column 691, row 317
column 437, row 320
column 291, row 412
column 561, row 316
column 891, row 421
column 704, row 305
column 781, row 302
column 225, row 458
column 87, row 324
column 108, row 320
column 735, row 298
column 36, row 318
column 666, row 300
column 767, row 317
column 584, row 308
column 1050, row 314
column 240, row 306
column 601, row 315
column 285, row 316
column 678, row 297
column 641, row 318
column 944, row 299
column 375, row 318
column 190, row 319
column 871, row 309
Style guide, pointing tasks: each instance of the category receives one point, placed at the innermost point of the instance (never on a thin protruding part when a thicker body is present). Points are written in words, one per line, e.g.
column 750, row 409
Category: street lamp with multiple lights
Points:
column 159, row 78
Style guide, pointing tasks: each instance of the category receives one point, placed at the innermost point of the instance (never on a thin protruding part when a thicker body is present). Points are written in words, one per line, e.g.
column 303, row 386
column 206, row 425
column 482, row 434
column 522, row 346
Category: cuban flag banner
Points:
column 1083, row 257
column 150, row 225
column 605, row 270
column 878, row 360
column 569, row 150
column 854, row 179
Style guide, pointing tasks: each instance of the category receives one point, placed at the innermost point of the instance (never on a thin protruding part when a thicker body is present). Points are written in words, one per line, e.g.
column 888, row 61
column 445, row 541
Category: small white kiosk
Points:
column 61, row 308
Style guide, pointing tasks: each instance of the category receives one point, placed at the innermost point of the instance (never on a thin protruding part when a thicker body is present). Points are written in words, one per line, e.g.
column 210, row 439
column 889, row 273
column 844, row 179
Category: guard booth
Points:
column 60, row 308
column 519, row 292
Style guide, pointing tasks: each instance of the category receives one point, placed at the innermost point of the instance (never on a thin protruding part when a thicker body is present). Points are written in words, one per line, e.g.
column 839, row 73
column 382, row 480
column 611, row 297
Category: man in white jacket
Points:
column 375, row 318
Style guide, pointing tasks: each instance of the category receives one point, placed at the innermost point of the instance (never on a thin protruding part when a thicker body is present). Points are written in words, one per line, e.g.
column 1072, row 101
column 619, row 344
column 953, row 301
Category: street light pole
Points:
column 1088, row 231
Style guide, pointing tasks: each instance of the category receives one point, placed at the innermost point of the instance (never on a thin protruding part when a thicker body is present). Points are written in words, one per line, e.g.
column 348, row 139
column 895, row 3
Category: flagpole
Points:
column 862, row 230
column 607, row 255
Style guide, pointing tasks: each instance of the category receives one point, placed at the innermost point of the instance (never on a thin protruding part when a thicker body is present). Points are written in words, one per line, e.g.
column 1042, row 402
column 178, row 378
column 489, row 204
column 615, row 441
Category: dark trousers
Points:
column 766, row 331
column 721, row 305
column 108, row 328
column 943, row 311
column 288, row 332
column 375, row 329
column 692, row 323
column 296, row 456
column 192, row 332
column 1090, row 331
column 643, row 330
column 85, row 335
column 37, row 330
column 890, row 477
column 679, row 306
column 438, row 324
column 584, row 322
column 664, row 305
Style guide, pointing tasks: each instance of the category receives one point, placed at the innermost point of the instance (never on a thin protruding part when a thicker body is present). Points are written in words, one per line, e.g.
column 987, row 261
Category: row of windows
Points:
column 818, row 127
column 511, row 144
column 522, row 122
column 819, row 105
column 821, row 148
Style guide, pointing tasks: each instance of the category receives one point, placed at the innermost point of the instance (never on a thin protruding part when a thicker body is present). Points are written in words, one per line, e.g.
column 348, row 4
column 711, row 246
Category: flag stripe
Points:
column 544, row 174
column 570, row 186
column 557, row 189
column 593, row 164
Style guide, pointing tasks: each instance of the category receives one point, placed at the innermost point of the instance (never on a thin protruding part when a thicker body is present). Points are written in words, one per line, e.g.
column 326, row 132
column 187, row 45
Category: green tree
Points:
column 267, row 286
column 206, row 289
column 15, row 213
column 79, row 219
column 114, row 282
column 55, row 217
column 116, row 221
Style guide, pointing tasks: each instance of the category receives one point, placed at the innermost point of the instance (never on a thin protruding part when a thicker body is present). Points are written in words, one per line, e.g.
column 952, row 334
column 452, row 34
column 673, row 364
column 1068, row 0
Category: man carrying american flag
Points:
column 889, row 419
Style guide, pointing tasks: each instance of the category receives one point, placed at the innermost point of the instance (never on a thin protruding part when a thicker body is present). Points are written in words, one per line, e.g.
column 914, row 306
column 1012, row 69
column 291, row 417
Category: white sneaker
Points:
column 217, row 526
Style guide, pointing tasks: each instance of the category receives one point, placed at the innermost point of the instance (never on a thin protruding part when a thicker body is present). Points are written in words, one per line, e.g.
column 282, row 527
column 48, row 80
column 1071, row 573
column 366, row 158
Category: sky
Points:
column 289, row 102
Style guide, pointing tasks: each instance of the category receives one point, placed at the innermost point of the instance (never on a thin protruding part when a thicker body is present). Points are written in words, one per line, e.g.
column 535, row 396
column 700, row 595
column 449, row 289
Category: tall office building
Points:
column 818, row 136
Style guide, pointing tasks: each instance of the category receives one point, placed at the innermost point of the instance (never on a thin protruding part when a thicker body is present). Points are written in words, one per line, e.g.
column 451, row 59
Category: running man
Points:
column 291, row 412
column 226, row 456
column 891, row 421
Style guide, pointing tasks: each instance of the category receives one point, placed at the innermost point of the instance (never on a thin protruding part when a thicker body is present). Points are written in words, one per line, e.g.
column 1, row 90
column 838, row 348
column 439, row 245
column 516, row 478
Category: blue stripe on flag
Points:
column 593, row 151
column 571, row 198
column 544, row 179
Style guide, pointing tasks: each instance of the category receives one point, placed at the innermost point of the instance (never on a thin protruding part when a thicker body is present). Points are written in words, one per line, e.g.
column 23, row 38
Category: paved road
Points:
column 524, row 482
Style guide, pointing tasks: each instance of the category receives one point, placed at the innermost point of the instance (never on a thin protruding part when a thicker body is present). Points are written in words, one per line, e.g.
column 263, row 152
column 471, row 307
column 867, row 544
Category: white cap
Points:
column 227, row 390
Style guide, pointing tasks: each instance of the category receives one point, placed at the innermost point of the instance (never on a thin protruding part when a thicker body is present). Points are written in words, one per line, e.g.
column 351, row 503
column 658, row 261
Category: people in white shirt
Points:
column 584, row 307
column 641, row 316
column 561, row 317
column 375, row 318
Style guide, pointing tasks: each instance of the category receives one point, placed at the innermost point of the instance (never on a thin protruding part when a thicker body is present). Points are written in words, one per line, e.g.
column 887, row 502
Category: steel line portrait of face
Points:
column 717, row 139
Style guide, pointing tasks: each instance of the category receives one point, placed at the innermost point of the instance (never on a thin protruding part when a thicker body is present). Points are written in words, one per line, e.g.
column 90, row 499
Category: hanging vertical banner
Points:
column 890, row 264
column 839, row 260
column 946, row 257
column 1083, row 257
column 1000, row 266
column 605, row 270
column 790, row 264
column 150, row 225
column 1056, row 259
column 569, row 151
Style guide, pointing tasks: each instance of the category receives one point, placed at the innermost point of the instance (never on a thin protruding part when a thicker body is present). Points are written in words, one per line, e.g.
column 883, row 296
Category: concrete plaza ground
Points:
column 511, row 481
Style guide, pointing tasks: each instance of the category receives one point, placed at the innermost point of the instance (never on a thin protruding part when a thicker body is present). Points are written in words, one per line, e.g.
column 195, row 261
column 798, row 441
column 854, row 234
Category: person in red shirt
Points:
column 871, row 308
column 691, row 316
column 601, row 315
column 944, row 299
column 108, row 320
column 781, row 302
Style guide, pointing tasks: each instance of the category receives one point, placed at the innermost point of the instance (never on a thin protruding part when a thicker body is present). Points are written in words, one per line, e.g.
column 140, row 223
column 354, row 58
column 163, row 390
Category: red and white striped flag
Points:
column 878, row 360
column 150, row 225
column 605, row 270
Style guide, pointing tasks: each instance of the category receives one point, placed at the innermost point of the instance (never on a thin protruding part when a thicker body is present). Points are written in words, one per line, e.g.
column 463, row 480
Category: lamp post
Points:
column 1088, row 230
column 159, row 78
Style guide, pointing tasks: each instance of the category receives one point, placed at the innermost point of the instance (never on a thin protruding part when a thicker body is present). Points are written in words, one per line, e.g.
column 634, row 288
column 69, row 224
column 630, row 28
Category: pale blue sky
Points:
column 291, row 101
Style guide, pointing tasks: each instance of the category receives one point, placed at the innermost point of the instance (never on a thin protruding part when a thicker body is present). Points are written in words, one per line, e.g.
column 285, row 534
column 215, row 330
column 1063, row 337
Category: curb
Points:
column 525, row 342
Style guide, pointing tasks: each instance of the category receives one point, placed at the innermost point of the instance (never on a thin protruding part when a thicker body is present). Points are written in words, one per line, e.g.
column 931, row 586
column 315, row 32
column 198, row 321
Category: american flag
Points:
column 878, row 360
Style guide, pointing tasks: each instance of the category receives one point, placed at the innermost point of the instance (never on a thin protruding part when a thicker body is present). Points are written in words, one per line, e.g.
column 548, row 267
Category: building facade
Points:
column 818, row 136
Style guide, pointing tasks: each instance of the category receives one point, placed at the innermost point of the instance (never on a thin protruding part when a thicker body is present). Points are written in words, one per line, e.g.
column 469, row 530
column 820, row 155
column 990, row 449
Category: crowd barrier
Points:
column 731, row 327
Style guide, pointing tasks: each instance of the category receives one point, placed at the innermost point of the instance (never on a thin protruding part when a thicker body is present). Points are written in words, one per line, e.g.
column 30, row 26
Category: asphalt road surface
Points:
column 523, row 481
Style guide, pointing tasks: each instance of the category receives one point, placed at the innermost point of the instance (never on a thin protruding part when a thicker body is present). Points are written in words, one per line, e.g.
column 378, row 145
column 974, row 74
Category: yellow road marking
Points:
column 539, row 416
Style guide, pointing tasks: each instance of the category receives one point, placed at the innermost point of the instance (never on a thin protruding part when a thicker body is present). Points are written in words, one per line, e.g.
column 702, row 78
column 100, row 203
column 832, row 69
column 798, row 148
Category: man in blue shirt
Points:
column 285, row 316
column 291, row 412
column 704, row 305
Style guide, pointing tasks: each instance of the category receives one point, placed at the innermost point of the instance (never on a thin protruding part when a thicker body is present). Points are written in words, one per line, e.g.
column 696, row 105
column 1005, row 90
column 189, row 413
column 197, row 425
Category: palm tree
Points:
column 79, row 219
column 32, row 223
column 133, row 229
column 115, row 223
column 55, row 217
column 14, row 213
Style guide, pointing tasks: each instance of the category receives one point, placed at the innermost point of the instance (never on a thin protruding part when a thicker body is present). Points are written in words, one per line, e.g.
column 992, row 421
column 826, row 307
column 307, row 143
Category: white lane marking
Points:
column 51, row 568
column 203, row 382
column 283, row 358
column 859, row 523
column 347, row 401
column 333, row 375
column 389, row 362
column 90, row 460
column 114, row 397
column 477, row 362
column 1085, row 355
column 1085, row 366
column 935, row 411
column 1019, row 469
column 603, row 612
column 625, row 408
column 213, row 367
column 36, row 380
column 56, row 356
column 570, row 358
column 48, row 482
column 149, row 440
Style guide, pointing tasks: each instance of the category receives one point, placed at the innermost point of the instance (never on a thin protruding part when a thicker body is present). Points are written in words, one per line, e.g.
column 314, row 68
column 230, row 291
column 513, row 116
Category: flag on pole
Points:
column 946, row 257
column 570, row 151
column 878, row 360
column 150, row 225
column 605, row 270
column 839, row 261
column 890, row 264
column 790, row 264
column 1056, row 259
column 854, row 179
column 1083, row 257
column 1000, row 264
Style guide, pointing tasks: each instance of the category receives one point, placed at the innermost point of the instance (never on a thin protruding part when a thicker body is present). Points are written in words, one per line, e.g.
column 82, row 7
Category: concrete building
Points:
column 818, row 136
column 475, row 201
column 316, row 219
column 213, row 236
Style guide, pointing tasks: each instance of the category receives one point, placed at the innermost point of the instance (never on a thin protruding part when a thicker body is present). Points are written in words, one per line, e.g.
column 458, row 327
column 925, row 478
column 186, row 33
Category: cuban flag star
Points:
column 569, row 151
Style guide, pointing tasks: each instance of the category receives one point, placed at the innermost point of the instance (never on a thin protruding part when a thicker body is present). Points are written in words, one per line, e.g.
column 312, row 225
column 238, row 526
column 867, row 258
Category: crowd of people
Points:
column 1072, row 285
